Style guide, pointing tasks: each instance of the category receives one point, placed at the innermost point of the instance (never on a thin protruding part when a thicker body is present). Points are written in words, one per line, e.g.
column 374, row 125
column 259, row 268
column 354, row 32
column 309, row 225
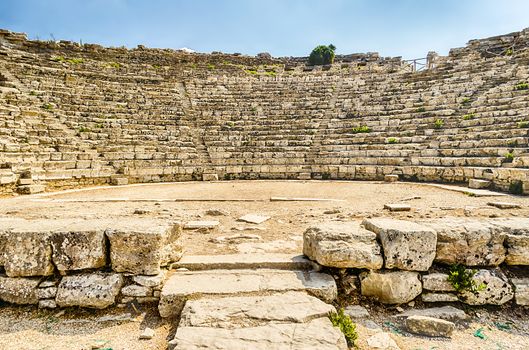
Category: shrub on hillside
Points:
column 322, row 55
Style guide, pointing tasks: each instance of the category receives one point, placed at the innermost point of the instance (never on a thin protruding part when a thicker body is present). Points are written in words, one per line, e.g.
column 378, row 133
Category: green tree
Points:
column 322, row 55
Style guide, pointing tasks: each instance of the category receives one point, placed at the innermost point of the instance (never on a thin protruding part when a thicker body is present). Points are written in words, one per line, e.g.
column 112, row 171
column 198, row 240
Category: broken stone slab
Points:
column 244, row 261
column 497, row 289
column 147, row 333
column 183, row 285
column 236, row 238
column 193, row 225
column 19, row 290
column 406, row 245
column 248, row 311
column 381, row 341
column 429, row 326
column 143, row 246
column 516, row 241
column 448, row 313
column 478, row 184
column 31, row 189
column 342, row 245
column 356, row 312
column 504, row 205
column 254, row 218
column 397, row 207
column 521, row 290
column 81, row 245
column 437, row 282
column 97, row 290
column 316, row 334
column 216, row 212
column 439, row 297
column 391, row 287
column 469, row 242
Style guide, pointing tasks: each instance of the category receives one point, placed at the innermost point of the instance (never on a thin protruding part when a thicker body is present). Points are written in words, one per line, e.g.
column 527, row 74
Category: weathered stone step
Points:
column 292, row 320
column 245, row 261
column 185, row 285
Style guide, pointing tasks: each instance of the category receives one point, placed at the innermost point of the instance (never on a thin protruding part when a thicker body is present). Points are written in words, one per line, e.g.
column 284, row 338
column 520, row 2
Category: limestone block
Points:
column 439, row 297
column 96, row 290
column 142, row 246
column 210, row 177
column 521, row 290
column 437, row 282
column 19, row 290
column 343, row 245
column 136, row 291
column 497, row 289
column 391, row 178
column 381, row 341
column 46, row 293
column 119, row 181
column 517, row 239
column 429, row 326
column 391, row 287
column 448, row 313
column 150, row 281
column 406, row 245
column 47, row 304
column 468, row 242
column 477, row 184
column 80, row 246
column 27, row 250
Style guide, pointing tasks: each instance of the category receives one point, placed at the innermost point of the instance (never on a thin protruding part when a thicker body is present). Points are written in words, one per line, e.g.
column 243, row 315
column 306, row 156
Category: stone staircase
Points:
column 250, row 302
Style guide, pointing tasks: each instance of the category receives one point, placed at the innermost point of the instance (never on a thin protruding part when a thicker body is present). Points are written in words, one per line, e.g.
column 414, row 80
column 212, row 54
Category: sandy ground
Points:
column 29, row 328
column 282, row 233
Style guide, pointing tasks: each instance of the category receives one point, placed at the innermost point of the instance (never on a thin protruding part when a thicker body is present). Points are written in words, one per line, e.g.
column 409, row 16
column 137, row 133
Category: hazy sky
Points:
column 408, row 28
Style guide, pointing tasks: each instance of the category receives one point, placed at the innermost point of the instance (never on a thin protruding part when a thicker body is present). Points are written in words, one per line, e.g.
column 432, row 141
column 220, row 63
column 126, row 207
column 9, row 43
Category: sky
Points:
column 408, row 28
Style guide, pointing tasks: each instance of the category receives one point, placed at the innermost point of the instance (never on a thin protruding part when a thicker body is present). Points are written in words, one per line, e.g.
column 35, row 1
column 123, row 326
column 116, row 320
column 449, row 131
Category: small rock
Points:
column 391, row 178
column 437, row 282
column 438, row 297
column 236, row 238
column 47, row 304
column 433, row 327
column 254, row 218
column 356, row 312
column 382, row 341
column 504, row 205
column 149, row 281
column 399, row 309
column 148, row 333
column 397, row 207
column 448, row 313
column 216, row 212
column 332, row 211
column 140, row 211
column 193, row 225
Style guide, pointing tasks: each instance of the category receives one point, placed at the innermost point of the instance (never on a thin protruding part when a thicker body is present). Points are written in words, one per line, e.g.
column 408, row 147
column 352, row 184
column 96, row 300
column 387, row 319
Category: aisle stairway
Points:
column 250, row 302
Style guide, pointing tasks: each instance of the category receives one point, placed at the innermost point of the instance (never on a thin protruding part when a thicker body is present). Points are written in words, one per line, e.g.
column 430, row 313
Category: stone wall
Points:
column 75, row 115
column 396, row 261
column 87, row 263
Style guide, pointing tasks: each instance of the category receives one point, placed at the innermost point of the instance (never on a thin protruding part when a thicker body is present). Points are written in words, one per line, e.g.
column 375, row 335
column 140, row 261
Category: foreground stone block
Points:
column 248, row 311
column 142, row 246
column 19, row 290
column 468, row 242
column 210, row 177
column 497, row 289
column 184, row 285
column 391, row 178
column 516, row 240
column 406, row 245
column 448, row 313
column 521, row 290
column 343, row 245
column 397, row 207
column 80, row 246
column 27, row 249
column 477, row 184
column 96, row 290
column 432, row 327
column 317, row 334
column 391, row 287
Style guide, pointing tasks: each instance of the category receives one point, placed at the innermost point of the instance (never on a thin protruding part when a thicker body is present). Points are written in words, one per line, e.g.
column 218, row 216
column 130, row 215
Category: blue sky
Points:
column 408, row 28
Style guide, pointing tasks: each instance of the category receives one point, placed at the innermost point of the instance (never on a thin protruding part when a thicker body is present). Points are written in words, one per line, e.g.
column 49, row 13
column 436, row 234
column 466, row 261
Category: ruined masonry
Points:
column 74, row 115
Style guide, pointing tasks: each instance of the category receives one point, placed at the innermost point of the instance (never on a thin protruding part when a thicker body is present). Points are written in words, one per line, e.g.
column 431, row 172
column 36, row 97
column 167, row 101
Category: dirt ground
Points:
column 344, row 200
column 116, row 329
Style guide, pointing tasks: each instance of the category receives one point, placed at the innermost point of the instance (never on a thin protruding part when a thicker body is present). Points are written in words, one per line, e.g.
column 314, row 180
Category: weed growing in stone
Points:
column 420, row 110
column 211, row 66
column 465, row 101
column 83, row 129
column 521, row 86
column 462, row 280
column 509, row 156
column 438, row 124
column 469, row 116
column 47, row 106
column 523, row 125
column 345, row 324
column 360, row 129
column 114, row 65
column 392, row 140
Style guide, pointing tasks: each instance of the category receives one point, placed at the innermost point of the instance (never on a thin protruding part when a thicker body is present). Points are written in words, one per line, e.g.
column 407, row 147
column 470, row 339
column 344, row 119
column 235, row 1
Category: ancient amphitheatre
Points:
column 232, row 202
